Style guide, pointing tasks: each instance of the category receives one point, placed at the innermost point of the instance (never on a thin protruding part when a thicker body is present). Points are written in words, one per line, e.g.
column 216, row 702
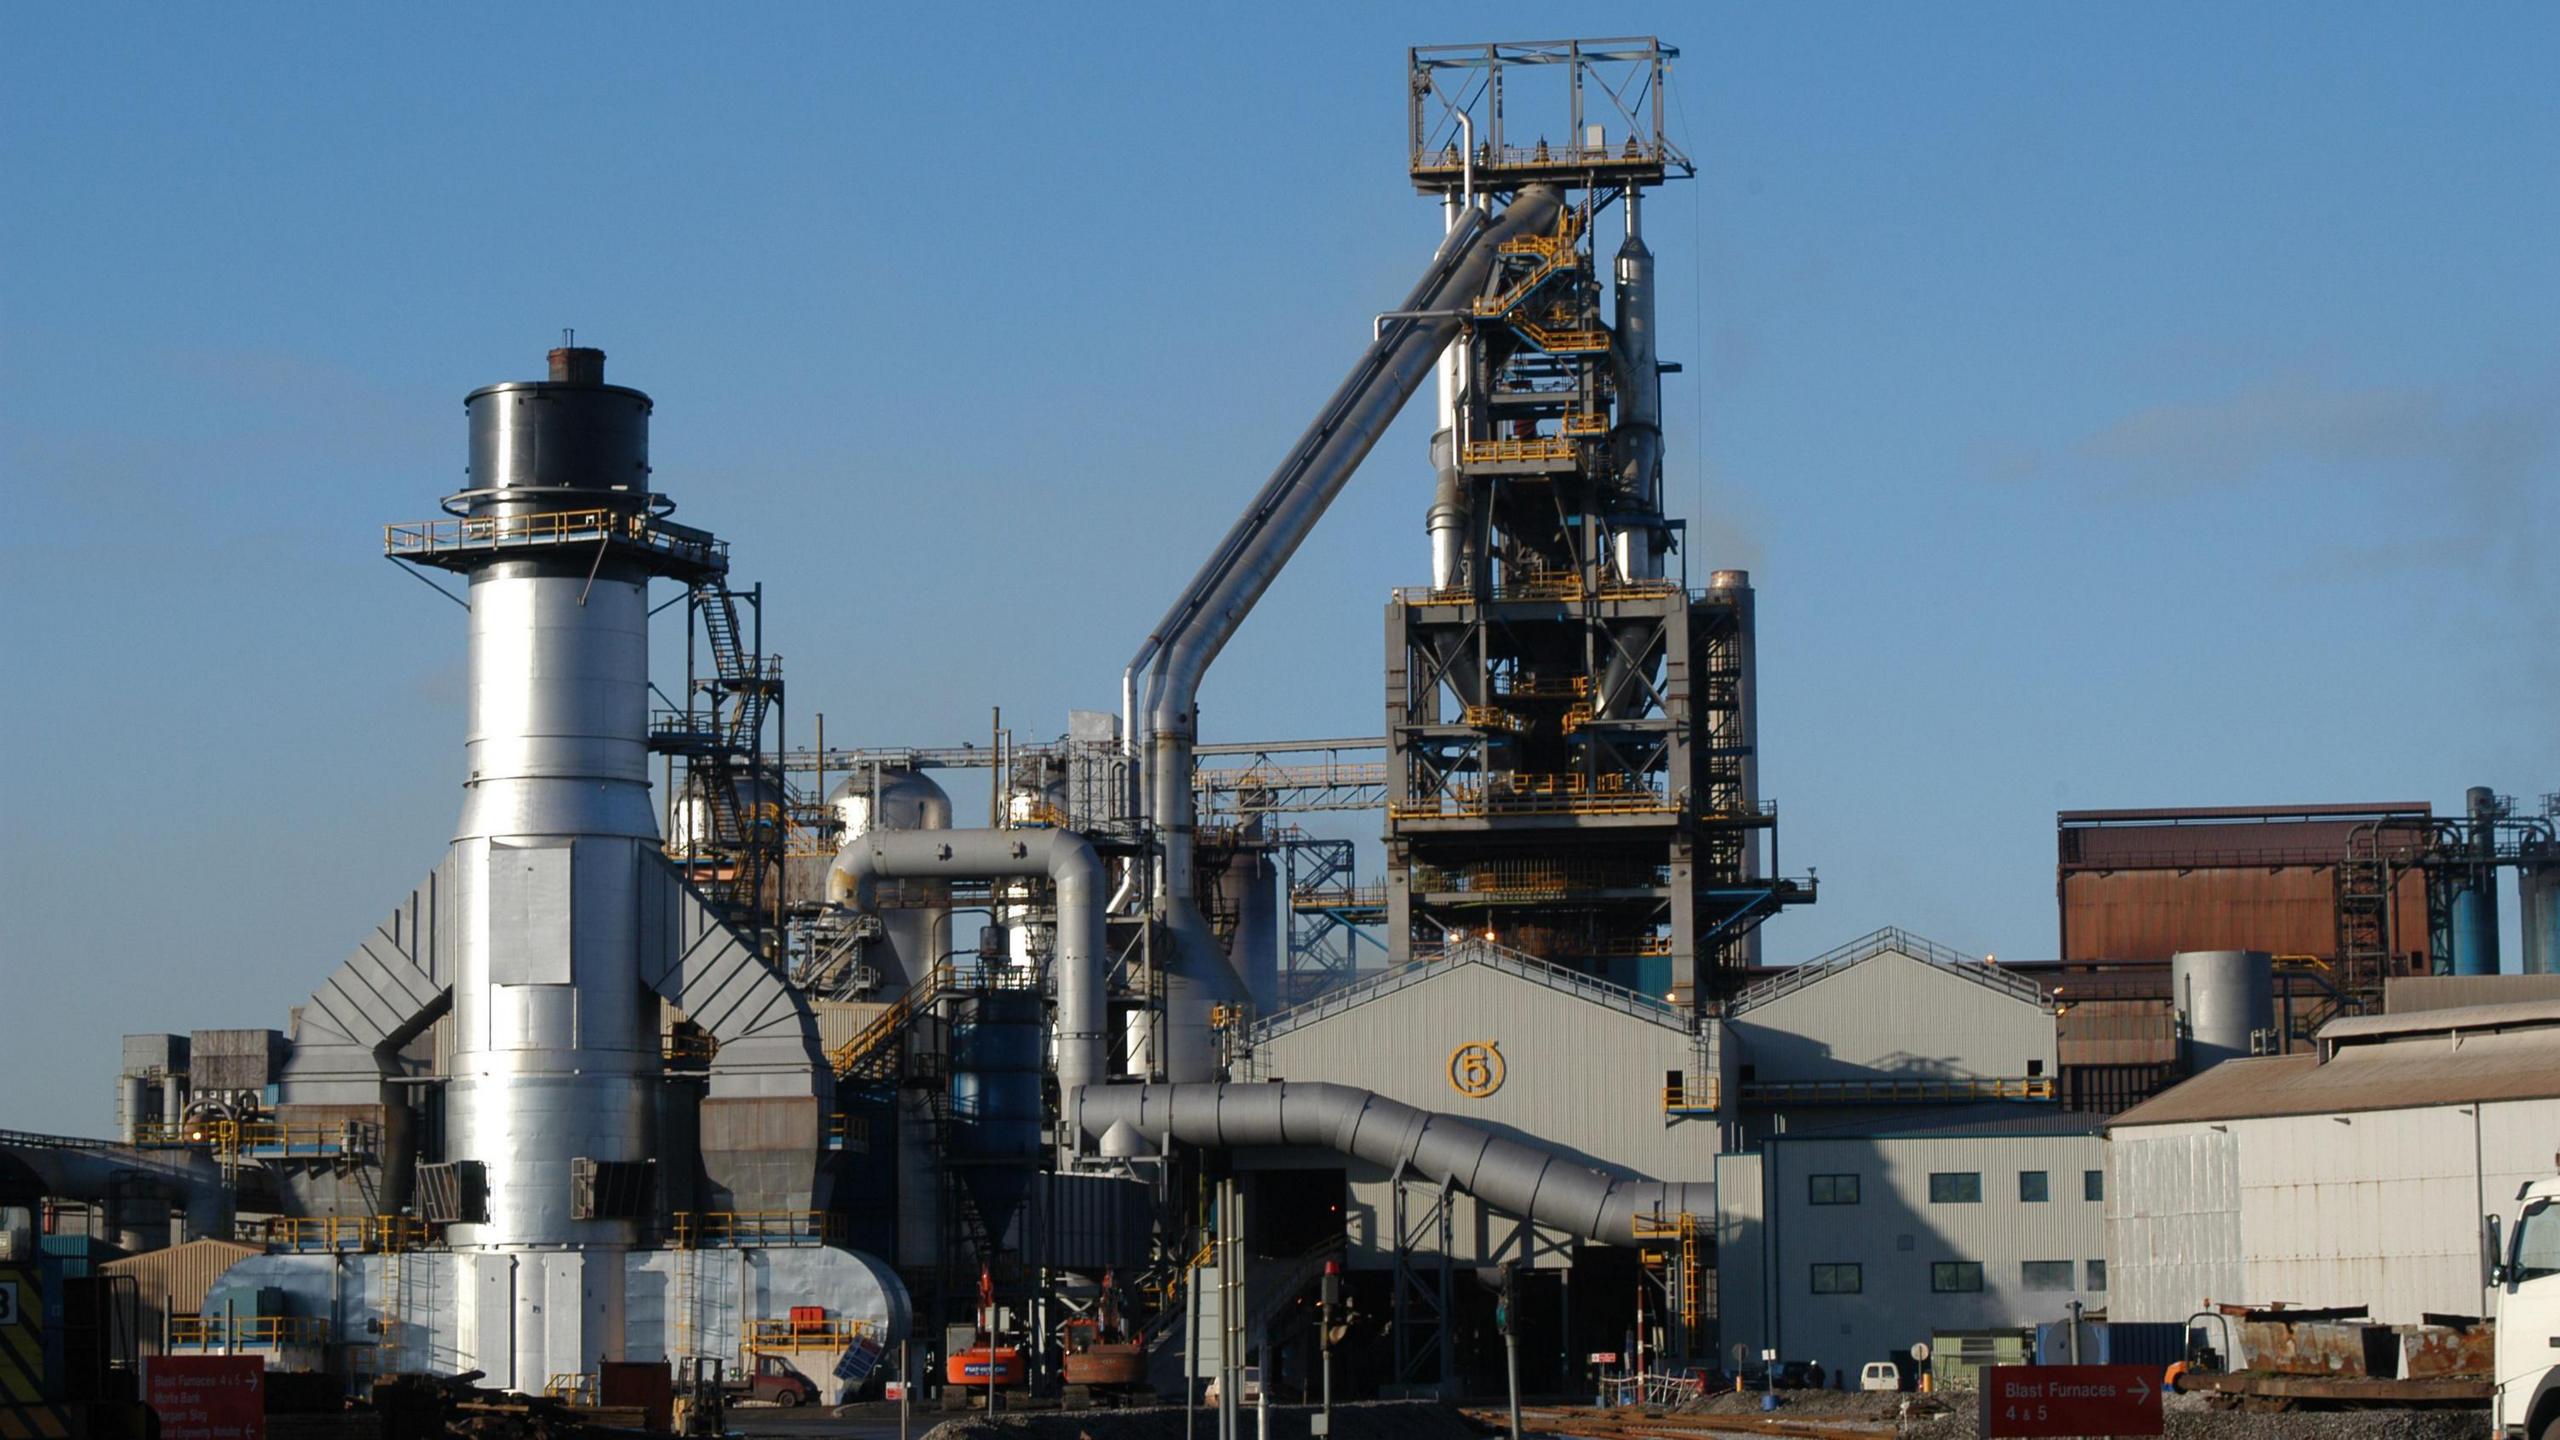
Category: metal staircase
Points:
column 2364, row 915
column 720, row 736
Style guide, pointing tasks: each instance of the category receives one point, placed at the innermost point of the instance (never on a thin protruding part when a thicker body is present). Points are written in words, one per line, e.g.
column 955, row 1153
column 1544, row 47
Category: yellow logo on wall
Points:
column 1475, row 1068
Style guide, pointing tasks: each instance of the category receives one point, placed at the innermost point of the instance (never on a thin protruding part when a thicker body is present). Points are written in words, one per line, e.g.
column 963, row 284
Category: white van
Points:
column 1880, row 1375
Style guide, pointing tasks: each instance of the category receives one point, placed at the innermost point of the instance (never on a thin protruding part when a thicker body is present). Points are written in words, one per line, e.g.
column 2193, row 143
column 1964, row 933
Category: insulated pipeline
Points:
column 1250, row 557
column 1517, row 1176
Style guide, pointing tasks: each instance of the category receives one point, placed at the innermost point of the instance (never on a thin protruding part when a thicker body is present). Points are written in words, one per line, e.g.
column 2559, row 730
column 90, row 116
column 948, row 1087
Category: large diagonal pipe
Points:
column 1408, row 345
column 1516, row 1176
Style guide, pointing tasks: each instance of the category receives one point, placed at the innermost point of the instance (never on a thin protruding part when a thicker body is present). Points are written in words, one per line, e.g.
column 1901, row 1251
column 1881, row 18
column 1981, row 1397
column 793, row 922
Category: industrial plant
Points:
column 695, row 1049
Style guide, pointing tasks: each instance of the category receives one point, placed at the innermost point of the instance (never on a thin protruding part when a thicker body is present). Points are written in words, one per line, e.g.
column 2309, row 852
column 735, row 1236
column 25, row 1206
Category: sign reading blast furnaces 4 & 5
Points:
column 208, row 1397
column 2033, row 1400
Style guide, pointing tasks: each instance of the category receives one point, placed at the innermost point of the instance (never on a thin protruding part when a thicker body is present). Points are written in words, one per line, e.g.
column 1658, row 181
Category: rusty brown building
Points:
column 2146, row 884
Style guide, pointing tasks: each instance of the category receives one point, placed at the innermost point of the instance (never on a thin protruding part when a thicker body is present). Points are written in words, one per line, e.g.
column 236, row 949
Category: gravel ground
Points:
column 1367, row 1420
column 2189, row 1418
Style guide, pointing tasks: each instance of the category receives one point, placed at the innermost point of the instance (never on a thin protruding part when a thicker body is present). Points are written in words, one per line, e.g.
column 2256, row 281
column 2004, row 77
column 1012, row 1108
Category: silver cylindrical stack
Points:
column 556, row 1049
column 1635, row 442
column 2223, row 998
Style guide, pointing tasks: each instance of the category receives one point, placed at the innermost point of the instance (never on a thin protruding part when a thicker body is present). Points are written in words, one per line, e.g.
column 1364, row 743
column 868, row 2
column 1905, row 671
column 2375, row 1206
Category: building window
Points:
column 2045, row 1274
column 1838, row 1280
column 2097, row 1274
column 2093, row 1184
column 1956, row 1277
column 1832, row 1189
column 2032, row 1187
column 1955, row 1187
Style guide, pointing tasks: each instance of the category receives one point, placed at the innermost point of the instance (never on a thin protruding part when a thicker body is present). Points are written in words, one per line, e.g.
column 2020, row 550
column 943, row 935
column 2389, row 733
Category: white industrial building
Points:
column 1902, row 1170
column 1849, row 1243
column 2354, row 1175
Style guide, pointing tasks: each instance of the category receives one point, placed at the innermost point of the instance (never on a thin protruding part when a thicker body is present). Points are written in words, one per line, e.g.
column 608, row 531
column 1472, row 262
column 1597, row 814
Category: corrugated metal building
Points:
column 174, row 1282
column 2352, row 1176
column 1847, row 1244
column 1525, row 1048
column 2146, row 884
column 1888, row 1007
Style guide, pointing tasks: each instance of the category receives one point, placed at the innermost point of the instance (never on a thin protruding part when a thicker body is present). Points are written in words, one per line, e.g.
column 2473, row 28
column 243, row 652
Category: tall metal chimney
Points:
column 555, row 1035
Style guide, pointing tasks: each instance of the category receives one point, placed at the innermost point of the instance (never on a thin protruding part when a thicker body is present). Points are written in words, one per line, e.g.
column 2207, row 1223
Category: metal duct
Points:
column 1513, row 1175
column 115, row 1179
column 1517, row 1176
column 1061, row 855
column 1225, row 590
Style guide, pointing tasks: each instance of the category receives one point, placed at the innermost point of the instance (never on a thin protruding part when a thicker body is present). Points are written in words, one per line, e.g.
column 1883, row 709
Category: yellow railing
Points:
column 1534, row 878
column 1349, row 897
column 1533, row 449
column 270, row 1135
column 1554, row 687
column 1558, row 338
column 697, row 1229
column 849, row 1132
column 1682, row 1229
column 196, row 1332
column 689, row 1045
column 574, row 1389
column 885, row 1026
column 1488, row 717
column 1586, row 425
column 830, row 1334
column 347, row 1232
column 1694, row 1095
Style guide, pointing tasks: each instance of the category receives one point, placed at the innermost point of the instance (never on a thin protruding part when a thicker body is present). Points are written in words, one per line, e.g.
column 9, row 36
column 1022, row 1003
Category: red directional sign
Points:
column 2046, row 1400
column 208, row 1397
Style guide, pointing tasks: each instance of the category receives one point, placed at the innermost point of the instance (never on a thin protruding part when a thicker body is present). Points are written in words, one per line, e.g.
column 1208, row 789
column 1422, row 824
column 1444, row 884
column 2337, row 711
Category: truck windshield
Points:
column 2537, row 1250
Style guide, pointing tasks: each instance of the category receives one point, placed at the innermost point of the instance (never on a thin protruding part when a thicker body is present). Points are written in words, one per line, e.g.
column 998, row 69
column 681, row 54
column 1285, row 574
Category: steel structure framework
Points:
column 1569, row 728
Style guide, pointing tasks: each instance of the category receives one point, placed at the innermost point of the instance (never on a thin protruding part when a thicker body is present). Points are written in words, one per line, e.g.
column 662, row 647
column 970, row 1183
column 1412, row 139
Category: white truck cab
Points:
column 2526, row 1272
column 1880, row 1375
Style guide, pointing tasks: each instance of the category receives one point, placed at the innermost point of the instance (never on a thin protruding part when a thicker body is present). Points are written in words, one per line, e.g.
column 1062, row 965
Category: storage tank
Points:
column 2475, row 896
column 996, row 1111
column 915, row 915
column 2221, row 996
column 2538, row 893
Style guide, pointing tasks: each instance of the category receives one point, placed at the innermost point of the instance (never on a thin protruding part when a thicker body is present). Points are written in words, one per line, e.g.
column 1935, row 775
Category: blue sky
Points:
column 2115, row 405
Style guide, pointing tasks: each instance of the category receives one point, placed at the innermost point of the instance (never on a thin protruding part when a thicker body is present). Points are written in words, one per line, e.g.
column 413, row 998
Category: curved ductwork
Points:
column 1517, row 1176
column 114, row 1177
column 1410, row 342
column 1070, row 864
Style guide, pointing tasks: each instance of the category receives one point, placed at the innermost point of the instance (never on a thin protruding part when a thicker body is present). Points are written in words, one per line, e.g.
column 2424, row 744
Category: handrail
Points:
column 1694, row 1095
column 1544, row 587
column 419, row 538
column 694, row 1230
column 198, row 1331
column 829, row 1334
column 385, row 1233
column 945, row 977
column 1890, row 939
